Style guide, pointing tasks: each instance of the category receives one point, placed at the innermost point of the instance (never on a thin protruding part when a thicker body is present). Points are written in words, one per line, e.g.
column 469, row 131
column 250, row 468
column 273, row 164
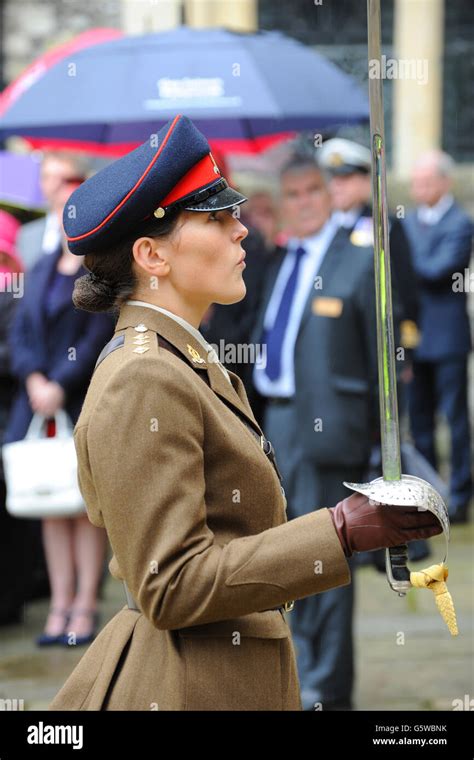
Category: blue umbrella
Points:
column 235, row 86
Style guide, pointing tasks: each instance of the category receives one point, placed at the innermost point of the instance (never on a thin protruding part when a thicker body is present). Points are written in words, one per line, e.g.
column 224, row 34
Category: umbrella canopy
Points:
column 239, row 89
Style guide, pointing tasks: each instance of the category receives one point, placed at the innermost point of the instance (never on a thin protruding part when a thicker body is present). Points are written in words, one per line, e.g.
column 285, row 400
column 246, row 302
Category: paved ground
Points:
column 431, row 668
column 427, row 672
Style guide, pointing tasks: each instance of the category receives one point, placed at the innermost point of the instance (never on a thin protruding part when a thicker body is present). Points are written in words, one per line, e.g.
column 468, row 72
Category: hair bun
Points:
column 94, row 293
column 96, row 280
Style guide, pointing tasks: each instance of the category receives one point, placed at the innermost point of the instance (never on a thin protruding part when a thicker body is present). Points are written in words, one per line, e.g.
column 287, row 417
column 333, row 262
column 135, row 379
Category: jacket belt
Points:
column 132, row 605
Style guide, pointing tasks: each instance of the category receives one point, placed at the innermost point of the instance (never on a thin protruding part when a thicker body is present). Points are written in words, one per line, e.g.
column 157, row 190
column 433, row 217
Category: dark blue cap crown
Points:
column 113, row 202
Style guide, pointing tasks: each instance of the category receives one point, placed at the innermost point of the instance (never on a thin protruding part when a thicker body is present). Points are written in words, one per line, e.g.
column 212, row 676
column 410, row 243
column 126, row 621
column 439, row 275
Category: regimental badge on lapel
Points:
column 363, row 232
column 195, row 355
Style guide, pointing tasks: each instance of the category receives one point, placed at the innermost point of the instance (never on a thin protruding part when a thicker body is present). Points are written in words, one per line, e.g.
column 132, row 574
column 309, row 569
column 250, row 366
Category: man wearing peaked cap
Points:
column 348, row 165
column 342, row 157
column 173, row 169
column 172, row 462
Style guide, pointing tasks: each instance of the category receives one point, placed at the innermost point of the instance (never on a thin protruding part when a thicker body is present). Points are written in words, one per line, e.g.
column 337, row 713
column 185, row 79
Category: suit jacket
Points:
column 404, row 284
column 196, row 518
column 335, row 356
column 41, row 344
column 29, row 242
column 439, row 251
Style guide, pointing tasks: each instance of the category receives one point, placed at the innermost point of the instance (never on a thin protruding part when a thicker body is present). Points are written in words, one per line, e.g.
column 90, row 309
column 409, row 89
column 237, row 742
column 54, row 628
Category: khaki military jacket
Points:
column 196, row 518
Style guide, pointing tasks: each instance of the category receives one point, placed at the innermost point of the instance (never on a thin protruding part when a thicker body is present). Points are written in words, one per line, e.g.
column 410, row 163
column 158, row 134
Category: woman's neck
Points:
column 192, row 313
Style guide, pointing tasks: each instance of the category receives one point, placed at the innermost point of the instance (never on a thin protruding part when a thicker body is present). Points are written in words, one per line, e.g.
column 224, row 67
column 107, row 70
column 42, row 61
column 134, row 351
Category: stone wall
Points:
column 31, row 28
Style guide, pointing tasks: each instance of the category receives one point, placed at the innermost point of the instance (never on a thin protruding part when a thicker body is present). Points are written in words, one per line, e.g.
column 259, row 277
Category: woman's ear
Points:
column 152, row 256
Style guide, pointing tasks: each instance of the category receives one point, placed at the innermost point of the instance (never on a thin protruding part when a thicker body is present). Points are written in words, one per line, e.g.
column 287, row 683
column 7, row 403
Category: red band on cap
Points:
column 201, row 174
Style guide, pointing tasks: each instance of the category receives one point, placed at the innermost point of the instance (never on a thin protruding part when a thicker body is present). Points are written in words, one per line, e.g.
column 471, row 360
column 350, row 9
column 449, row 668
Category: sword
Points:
column 394, row 487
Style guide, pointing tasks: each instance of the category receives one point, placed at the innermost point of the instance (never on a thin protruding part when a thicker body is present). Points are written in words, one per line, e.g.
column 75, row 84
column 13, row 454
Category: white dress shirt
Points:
column 211, row 353
column 433, row 214
column 51, row 234
column 316, row 247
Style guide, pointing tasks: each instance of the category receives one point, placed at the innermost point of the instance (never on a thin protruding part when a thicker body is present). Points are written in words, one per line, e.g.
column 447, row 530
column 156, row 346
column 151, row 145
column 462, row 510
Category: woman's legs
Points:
column 89, row 545
column 57, row 541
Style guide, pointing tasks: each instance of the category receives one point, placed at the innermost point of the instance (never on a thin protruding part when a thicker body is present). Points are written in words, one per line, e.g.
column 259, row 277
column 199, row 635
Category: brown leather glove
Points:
column 363, row 526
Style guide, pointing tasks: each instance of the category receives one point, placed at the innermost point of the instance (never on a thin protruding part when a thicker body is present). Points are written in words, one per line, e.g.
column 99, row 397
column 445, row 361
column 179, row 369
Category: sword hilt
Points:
column 396, row 566
column 410, row 491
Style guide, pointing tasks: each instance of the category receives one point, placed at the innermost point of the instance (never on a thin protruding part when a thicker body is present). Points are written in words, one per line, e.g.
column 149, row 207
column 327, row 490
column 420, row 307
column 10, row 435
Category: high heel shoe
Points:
column 46, row 639
column 69, row 638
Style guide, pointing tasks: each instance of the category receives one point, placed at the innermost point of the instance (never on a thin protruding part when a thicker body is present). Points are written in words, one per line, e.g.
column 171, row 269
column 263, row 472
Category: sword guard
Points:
column 410, row 491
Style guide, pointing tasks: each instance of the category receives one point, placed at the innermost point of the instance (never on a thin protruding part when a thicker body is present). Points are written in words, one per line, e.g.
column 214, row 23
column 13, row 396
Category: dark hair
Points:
column 111, row 279
column 299, row 162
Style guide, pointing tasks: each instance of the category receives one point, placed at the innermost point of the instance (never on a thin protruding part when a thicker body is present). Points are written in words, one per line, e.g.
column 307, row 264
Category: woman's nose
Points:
column 240, row 232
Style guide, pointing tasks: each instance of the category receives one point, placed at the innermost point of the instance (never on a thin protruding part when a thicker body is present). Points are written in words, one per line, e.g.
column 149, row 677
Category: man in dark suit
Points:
column 440, row 234
column 318, row 386
column 349, row 167
column 43, row 236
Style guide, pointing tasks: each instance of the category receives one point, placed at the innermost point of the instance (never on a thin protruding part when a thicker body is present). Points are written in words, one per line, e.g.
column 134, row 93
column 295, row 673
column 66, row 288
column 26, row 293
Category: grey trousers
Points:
column 321, row 624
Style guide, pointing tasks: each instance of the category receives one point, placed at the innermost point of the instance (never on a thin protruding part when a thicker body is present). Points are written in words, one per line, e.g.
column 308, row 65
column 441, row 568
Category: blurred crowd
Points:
column 311, row 303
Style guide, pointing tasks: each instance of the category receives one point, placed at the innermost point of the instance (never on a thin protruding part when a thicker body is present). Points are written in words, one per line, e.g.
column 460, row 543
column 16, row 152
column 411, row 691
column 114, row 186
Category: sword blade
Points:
column 397, row 557
column 389, row 426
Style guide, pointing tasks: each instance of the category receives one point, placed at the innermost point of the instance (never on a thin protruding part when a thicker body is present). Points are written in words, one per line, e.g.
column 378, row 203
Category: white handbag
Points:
column 41, row 472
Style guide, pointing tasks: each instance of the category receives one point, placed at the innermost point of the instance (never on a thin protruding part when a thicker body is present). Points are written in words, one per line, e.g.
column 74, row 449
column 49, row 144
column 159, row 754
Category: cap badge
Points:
column 195, row 355
column 336, row 160
column 141, row 327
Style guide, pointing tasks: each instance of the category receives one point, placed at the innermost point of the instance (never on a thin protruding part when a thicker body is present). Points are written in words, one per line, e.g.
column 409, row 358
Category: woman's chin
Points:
column 233, row 296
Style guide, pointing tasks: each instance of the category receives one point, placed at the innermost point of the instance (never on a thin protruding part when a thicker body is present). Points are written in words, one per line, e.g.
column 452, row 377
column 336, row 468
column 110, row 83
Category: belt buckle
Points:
column 288, row 606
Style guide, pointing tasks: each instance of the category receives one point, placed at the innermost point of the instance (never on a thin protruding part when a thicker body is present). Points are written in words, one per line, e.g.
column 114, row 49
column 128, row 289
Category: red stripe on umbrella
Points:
column 39, row 67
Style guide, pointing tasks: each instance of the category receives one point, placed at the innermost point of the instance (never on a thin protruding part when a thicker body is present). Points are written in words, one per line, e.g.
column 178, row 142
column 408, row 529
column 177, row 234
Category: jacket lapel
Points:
column 192, row 351
column 325, row 271
column 233, row 393
column 327, row 266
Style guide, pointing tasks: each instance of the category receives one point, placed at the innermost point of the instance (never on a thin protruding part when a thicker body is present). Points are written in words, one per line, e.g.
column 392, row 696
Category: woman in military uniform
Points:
column 173, row 464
